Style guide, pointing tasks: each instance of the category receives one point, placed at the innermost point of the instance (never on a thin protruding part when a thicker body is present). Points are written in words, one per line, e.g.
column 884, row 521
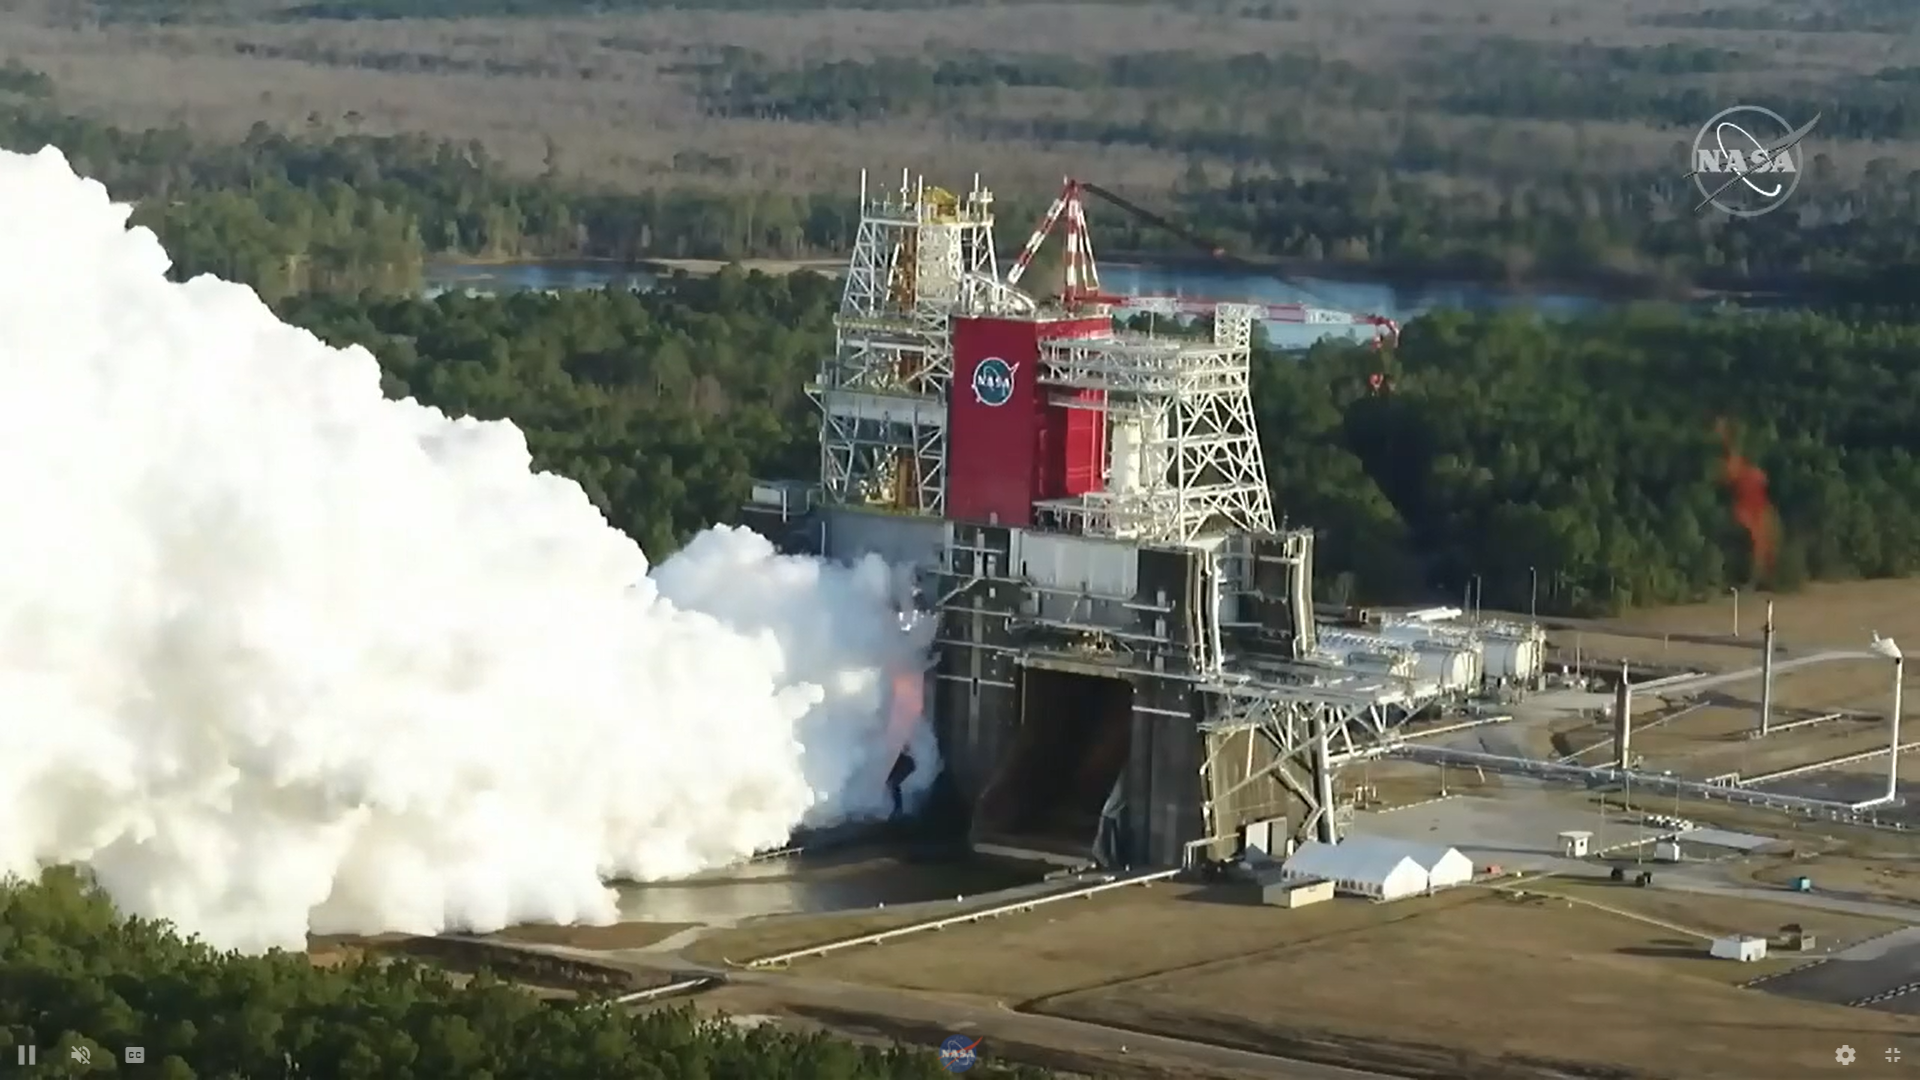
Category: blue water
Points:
column 1397, row 302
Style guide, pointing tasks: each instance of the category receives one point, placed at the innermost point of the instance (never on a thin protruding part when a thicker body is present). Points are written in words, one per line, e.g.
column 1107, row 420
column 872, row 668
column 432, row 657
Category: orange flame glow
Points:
column 1751, row 507
column 909, row 689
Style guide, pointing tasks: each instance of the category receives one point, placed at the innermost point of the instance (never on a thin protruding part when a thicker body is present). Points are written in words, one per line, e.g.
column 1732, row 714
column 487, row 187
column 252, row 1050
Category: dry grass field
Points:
column 1712, row 739
column 1826, row 615
column 1491, row 988
column 1886, row 877
column 1560, row 981
column 611, row 97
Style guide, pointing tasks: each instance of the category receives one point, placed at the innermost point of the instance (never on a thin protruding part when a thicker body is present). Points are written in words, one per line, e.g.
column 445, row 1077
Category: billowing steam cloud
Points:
column 278, row 655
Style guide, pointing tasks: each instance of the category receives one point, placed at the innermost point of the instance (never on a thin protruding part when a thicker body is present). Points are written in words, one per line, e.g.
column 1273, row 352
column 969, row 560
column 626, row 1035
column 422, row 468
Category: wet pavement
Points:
column 843, row 880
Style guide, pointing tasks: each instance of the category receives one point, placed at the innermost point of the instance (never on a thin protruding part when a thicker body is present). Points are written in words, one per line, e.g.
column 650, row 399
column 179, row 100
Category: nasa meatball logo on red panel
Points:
column 993, row 381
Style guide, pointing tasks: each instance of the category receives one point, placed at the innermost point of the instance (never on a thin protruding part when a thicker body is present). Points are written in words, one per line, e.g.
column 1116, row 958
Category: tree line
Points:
column 329, row 211
column 332, row 211
column 1579, row 454
column 1582, row 455
column 75, row 974
column 1554, row 212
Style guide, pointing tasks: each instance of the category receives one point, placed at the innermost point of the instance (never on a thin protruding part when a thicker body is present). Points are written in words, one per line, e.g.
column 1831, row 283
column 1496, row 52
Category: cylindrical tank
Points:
column 1124, row 472
column 1512, row 656
column 1368, row 652
column 1452, row 668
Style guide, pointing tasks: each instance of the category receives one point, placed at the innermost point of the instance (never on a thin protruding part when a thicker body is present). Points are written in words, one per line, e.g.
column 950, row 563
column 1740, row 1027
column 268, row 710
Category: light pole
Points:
column 1533, row 594
column 1478, row 596
column 1736, row 609
column 1887, row 648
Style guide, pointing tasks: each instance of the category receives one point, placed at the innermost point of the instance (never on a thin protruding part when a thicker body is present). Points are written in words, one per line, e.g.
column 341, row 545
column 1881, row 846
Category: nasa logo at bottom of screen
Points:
column 993, row 381
column 959, row 1053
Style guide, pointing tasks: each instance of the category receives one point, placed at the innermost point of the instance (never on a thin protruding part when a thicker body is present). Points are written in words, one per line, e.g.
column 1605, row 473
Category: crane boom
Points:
column 1083, row 275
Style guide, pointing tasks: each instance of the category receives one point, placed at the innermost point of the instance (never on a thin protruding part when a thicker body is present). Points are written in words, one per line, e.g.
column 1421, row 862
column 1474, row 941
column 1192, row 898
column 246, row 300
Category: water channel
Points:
column 1398, row 301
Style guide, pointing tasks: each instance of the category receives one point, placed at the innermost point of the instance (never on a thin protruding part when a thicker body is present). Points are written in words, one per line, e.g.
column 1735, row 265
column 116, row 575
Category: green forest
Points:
column 343, row 211
column 1584, row 453
column 73, row 973
column 1581, row 453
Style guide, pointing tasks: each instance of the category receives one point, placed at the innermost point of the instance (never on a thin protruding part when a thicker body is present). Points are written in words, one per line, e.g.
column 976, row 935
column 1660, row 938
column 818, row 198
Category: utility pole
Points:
column 1533, row 594
column 1736, row 610
column 1766, row 673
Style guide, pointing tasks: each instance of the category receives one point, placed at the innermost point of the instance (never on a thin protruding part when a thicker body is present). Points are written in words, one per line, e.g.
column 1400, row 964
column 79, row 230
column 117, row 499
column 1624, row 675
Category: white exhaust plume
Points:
column 279, row 656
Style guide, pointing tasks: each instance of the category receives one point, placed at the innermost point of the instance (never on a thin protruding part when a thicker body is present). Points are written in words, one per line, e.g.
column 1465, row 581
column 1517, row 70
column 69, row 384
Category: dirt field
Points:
column 1485, row 987
column 1202, row 967
column 1703, row 917
column 1712, row 739
column 1885, row 878
column 614, row 97
column 1825, row 615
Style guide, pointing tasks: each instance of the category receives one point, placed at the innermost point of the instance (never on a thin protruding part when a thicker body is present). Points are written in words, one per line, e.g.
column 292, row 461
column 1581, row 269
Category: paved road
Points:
column 1698, row 683
column 1712, row 880
column 1888, row 964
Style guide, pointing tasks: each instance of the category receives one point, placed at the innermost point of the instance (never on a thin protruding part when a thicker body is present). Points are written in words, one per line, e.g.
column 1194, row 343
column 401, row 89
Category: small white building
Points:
column 1743, row 947
column 1264, row 840
column 1575, row 842
column 1296, row 892
column 1380, row 868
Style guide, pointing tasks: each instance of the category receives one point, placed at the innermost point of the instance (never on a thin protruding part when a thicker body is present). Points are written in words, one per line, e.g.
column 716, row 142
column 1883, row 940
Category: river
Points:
column 1398, row 301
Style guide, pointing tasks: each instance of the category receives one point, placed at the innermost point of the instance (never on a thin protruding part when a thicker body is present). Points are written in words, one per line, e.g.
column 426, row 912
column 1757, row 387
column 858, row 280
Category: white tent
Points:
column 1358, row 869
column 1380, row 868
column 1445, row 866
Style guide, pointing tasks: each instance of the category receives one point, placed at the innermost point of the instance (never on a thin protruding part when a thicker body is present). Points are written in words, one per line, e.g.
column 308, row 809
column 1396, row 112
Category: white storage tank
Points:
column 1454, row 669
column 1447, row 656
column 1517, row 653
column 1367, row 652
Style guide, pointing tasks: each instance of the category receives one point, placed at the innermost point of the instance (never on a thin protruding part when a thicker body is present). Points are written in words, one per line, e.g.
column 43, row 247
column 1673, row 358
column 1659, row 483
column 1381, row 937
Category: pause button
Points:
column 26, row 1055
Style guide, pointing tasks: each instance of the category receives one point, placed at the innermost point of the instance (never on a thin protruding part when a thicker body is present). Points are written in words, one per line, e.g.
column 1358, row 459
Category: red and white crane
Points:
column 1083, row 273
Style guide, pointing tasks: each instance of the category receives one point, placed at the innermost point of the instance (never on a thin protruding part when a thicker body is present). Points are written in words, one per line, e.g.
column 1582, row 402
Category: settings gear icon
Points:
column 1844, row 1055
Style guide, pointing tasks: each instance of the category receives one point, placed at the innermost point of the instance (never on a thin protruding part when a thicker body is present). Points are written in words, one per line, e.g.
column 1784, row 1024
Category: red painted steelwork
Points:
column 1004, row 449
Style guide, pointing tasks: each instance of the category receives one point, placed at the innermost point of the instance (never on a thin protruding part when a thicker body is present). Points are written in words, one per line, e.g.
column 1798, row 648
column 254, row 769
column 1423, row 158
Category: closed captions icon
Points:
column 134, row 1055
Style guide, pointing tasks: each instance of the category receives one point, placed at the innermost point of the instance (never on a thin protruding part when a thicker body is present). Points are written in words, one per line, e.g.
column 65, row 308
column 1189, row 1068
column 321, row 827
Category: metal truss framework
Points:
column 1312, row 731
column 1201, row 469
column 921, row 253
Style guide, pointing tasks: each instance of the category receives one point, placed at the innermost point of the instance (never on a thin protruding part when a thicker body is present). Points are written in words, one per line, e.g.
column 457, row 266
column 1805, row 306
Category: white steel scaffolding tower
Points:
column 1184, row 459
column 922, row 253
